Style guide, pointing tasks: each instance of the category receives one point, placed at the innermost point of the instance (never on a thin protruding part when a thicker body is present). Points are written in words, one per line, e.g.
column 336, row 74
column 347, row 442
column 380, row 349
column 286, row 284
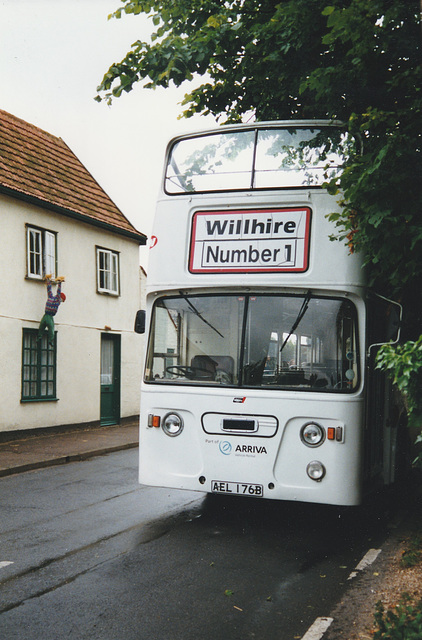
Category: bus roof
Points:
column 251, row 126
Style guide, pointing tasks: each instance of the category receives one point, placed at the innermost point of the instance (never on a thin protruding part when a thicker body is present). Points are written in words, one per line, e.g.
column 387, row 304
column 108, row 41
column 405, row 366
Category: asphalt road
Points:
column 93, row 555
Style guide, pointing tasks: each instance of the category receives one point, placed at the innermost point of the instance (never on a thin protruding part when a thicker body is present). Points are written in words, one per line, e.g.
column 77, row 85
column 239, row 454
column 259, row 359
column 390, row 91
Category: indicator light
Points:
column 153, row 421
column 331, row 433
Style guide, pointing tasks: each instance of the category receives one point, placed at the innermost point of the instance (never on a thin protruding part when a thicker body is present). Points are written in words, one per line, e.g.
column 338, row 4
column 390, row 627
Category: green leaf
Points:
column 214, row 21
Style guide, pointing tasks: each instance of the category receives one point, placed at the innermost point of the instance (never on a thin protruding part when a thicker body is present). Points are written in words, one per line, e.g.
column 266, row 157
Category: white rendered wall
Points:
column 80, row 320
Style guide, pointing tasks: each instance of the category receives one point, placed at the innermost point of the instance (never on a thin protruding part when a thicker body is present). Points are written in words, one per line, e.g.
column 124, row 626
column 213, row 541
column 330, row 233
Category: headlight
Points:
column 315, row 470
column 312, row 434
column 172, row 424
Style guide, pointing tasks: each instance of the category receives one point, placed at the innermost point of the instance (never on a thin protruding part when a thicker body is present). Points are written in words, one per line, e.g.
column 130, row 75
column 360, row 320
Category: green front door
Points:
column 110, row 379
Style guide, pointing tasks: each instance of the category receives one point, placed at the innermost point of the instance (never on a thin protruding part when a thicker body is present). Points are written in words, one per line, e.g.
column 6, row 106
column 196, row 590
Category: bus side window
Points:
column 384, row 319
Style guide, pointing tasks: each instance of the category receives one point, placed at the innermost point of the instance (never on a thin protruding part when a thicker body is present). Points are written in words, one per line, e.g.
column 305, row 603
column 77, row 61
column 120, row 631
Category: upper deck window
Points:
column 261, row 158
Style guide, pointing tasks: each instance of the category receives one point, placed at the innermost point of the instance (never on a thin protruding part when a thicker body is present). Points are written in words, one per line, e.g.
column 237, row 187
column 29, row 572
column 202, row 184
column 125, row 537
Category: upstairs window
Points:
column 107, row 271
column 41, row 253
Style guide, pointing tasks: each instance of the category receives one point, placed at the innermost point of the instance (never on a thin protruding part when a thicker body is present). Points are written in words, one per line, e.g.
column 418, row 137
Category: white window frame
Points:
column 108, row 272
column 41, row 252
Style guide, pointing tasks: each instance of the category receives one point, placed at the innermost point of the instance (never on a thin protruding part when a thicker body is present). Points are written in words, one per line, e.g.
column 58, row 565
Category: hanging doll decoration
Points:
column 51, row 307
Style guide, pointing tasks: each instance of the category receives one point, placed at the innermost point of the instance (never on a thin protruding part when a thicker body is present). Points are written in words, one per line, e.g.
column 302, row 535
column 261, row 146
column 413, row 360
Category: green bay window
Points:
column 38, row 367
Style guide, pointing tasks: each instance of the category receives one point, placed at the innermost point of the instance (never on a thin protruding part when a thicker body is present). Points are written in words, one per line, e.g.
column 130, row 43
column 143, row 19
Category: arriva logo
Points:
column 247, row 448
column 225, row 447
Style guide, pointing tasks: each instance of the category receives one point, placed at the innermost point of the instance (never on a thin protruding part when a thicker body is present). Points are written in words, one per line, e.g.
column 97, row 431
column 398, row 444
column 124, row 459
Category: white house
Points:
column 56, row 219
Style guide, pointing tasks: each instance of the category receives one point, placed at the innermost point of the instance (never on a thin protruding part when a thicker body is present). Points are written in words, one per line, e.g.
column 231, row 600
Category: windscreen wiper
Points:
column 302, row 311
column 200, row 316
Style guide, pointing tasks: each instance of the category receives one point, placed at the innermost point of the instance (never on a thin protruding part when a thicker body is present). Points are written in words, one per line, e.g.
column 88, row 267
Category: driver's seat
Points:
column 204, row 366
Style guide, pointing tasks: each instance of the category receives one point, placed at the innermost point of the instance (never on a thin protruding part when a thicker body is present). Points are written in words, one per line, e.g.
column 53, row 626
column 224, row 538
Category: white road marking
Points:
column 317, row 630
column 320, row 626
column 4, row 563
column 367, row 560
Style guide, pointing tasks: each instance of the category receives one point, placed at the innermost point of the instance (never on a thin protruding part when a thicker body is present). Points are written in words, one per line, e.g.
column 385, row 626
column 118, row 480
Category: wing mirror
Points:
column 140, row 321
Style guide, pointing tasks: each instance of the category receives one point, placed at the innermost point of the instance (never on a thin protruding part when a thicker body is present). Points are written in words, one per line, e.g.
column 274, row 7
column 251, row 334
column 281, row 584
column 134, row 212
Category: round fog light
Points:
column 172, row 424
column 312, row 434
column 315, row 470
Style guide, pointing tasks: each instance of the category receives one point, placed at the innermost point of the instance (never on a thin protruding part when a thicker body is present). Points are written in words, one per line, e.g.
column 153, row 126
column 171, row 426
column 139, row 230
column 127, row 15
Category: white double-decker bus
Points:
column 261, row 333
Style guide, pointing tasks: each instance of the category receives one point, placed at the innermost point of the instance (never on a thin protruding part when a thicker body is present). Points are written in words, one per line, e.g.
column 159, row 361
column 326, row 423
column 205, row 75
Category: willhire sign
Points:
column 263, row 240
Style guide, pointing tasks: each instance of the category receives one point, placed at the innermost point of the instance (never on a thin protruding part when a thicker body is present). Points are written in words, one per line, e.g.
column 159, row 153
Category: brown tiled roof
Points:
column 37, row 166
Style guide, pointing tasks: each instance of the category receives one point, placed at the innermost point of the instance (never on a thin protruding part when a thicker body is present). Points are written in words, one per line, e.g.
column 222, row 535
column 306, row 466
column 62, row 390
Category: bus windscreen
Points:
column 269, row 341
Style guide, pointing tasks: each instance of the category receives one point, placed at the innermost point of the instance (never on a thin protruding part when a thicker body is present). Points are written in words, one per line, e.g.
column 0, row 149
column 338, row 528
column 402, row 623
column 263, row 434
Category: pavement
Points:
column 38, row 451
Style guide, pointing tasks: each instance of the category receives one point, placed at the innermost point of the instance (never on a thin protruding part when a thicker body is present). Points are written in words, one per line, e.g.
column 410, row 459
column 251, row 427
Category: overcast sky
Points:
column 53, row 55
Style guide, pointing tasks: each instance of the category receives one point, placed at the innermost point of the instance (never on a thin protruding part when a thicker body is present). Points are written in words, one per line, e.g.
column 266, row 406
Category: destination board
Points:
column 247, row 241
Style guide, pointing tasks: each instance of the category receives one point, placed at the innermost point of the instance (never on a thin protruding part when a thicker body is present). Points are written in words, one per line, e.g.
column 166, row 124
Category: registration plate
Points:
column 237, row 488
